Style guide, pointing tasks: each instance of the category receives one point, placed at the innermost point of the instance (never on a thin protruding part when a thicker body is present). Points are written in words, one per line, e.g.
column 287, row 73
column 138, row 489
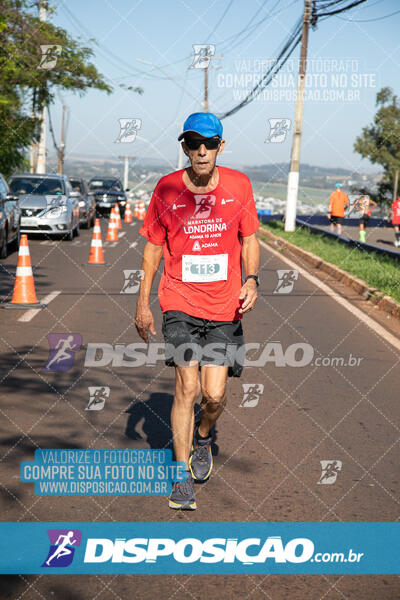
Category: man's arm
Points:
column 144, row 319
column 251, row 263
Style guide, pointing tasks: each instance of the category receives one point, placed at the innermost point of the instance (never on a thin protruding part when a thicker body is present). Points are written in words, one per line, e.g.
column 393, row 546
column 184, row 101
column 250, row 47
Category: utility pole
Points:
column 396, row 184
column 61, row 149
column 206, row 89
column 41, row 152
column 293, row 180
column 206, row 104
column 126, row 169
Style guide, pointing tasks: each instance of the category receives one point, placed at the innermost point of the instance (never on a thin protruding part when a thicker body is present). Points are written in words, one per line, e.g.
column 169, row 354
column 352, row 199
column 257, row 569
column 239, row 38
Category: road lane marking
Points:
column 122, row 234
column 29, row 314
column 133, row 245
column 378, row 329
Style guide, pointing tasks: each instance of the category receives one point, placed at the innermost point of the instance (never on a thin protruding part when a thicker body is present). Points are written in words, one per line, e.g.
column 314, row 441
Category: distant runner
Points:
column 338, row 200
column 395, row 216
column 203, row 219
column 365, row 205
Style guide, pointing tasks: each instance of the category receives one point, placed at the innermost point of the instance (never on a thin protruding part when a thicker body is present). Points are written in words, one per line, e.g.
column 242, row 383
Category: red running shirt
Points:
column 201, row 236
column 396, row 212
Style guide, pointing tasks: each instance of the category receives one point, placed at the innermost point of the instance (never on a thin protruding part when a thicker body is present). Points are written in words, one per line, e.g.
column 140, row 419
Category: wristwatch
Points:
column 255, row 277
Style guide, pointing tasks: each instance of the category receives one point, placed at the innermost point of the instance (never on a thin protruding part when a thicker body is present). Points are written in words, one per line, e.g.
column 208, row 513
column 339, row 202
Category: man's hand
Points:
column 248, row 294
column 144, row 322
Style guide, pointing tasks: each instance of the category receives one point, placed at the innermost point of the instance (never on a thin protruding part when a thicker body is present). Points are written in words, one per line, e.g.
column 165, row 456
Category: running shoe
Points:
column 201, row 460
column 182, row 495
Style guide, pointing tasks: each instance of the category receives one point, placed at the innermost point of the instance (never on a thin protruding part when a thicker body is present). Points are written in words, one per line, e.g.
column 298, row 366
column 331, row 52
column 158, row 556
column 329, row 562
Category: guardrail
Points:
column 313, row 222
column 344, row 240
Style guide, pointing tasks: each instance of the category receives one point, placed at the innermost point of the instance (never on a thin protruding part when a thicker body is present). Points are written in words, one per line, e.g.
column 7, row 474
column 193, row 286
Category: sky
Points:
column 351, row 57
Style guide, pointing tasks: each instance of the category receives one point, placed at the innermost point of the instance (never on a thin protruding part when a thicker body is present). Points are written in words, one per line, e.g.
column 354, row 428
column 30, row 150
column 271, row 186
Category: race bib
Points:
column 213, row 267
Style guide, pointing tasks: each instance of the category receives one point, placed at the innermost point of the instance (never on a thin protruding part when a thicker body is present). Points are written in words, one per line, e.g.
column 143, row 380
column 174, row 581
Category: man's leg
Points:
column 187, row 389
column 363, row 233
column 213, row 391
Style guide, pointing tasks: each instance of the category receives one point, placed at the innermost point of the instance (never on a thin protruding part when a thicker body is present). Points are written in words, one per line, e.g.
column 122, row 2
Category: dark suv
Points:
column 10, row 219
column 107, row 191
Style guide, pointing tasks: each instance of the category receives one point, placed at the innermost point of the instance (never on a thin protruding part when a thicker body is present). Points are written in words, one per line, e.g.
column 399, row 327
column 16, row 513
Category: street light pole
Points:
column 61, row 150
column 126, row 169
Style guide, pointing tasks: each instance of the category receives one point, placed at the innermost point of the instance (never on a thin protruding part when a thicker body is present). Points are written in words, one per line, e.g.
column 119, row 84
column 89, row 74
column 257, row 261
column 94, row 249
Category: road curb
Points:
column 385, row 303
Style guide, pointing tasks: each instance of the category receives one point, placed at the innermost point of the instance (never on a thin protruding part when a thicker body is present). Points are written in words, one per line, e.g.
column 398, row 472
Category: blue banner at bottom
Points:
column 200, row 548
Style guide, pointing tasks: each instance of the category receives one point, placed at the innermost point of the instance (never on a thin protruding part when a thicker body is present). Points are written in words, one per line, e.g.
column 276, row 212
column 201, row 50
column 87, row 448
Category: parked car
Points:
column 48, row 204
column 87, row 203
column 107, row 191
column 10, row 219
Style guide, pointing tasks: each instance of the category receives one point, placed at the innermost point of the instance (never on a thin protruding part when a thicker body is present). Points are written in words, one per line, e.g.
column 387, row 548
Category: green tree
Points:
column 380, row 142
column 25, row 86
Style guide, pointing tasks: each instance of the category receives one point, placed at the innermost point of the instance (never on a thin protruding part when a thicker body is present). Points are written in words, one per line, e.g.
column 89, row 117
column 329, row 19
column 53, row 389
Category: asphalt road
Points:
column 267, row 456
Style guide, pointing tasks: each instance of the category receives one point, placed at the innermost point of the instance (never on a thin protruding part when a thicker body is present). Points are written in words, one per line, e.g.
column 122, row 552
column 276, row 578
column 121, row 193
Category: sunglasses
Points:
column 210, row 143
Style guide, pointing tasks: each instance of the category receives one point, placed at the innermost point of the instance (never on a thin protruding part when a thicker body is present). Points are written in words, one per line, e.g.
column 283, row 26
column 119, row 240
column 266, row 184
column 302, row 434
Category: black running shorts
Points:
column 206, row 342
column 337, row 220
column 364, row 220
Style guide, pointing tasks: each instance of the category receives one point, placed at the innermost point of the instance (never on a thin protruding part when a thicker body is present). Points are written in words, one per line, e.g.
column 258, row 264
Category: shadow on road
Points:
column 150, row 422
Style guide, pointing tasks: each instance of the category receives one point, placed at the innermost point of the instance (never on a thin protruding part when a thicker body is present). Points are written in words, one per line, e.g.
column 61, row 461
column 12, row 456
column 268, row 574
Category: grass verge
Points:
column 380, row 272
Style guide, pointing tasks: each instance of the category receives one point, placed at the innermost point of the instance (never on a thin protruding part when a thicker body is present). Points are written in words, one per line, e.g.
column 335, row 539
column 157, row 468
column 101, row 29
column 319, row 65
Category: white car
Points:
column 48, row 204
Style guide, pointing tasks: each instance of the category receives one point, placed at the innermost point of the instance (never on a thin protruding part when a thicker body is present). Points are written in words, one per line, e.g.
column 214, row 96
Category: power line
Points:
column 221, row 19
column 369, row 20
column 291, row 44
column 287, row 50
column 251, row 30
column 104, row 51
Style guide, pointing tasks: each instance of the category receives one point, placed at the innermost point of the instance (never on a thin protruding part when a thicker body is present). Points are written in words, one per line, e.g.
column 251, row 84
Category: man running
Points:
column 365, row 205
column 203, row 219
column 395, row 216
column 62, row 542
column 338, row 200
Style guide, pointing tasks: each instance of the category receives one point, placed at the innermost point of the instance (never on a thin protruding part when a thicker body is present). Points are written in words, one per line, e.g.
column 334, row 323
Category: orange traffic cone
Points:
column 118, row 215
column 24, row 295
column 112, row 233
column 142, row 211
column 136, row 211
column 128, row 213
column 96, row 256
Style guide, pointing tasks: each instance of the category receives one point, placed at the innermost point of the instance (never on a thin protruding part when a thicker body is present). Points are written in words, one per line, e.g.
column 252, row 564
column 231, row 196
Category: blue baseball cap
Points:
column 206, row 124
column 338, row 185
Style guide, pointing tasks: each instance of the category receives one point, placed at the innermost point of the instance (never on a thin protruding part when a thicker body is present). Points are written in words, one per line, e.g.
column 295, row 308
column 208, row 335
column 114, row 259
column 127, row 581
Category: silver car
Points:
column 48, row 204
